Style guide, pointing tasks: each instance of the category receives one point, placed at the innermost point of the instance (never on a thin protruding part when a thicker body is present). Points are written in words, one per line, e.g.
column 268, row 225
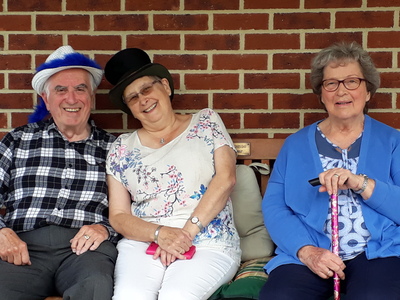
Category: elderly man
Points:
column 55, row 237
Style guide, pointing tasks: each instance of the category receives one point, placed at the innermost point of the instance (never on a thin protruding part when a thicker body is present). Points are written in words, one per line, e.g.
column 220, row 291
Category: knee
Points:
column 132, row 293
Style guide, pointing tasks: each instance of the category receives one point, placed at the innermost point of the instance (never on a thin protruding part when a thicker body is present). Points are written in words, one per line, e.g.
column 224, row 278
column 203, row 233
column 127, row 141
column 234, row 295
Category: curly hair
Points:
column 344, row 53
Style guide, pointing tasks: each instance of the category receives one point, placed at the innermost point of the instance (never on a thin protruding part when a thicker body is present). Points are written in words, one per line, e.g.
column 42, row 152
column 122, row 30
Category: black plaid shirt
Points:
column 47, row 180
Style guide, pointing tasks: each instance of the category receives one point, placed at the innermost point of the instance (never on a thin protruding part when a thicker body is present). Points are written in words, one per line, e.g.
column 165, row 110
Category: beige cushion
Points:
column 255, row 241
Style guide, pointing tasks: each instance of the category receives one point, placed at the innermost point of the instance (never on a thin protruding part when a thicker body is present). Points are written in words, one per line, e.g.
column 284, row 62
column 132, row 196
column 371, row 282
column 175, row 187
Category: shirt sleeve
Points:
column 6, row 155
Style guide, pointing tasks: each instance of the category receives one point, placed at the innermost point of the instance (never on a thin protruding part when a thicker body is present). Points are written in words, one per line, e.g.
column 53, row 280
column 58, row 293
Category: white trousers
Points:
column 138, row 276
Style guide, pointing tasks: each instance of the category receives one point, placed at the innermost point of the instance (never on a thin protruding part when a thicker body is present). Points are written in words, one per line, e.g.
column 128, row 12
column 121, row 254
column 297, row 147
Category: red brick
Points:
column 384, row 39
column 211, row 81
column 135, row 5
column 296, row 101
column 292, row 61
column 241, row 21
column 131, row 22
column 260, row 41
column 1, row 41
column 181, row 22
column 383, row 3
column 231, row 120
column 302, row 21
column 107, row 120
column 263, row 4
column 2, row 134
column 182, row 62
column 240, row 101
column 310, row 118
column 19, row 119
column 190, row 101
column 2, row 81
column 364, row 19
column 20, row 81
column 16, row 101
column 63, row 22
column 93, row 5
column 390, row 80
column 212, row 42
column 95, row 42
column 35, row 41
column 332, row 4
column 272, row 81
column 381, row 101
column 34, row 5
column 323, row 40
column 154, row 41
column 15, row 62
column 103, row 102
column 250, row 135
column 15, row 23
column 240, row 62
column 382, row 59
column 3, row 120
column 397, row 100
column 272, row 120
column 389, row 118
column 211, row 4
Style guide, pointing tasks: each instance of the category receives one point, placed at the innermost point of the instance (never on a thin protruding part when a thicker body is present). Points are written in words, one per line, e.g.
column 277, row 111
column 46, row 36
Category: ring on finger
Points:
column 86, row 236
column 336, row 175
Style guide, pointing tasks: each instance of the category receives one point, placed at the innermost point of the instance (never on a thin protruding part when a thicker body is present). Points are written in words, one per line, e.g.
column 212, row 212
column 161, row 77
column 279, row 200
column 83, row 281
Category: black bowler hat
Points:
column 128, row 65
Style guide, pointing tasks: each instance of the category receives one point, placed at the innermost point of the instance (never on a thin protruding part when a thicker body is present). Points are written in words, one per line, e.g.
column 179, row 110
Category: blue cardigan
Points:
column 295, row 212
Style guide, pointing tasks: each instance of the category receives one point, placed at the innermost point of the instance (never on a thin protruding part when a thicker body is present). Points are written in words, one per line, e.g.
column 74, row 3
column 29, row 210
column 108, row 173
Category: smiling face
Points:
column 149, row 99
column 69, row 98
column 343, row 103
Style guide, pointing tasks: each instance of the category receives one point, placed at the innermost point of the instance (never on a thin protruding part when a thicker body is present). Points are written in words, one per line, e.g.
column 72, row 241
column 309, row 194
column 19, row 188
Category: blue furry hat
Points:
column 63, row 58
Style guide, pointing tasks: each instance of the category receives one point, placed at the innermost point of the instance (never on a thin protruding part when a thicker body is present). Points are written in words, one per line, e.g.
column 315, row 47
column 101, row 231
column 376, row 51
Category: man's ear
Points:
column 45, row 100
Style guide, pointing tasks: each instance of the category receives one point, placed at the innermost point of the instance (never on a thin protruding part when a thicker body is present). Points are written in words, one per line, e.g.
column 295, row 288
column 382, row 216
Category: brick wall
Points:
column 247, row 59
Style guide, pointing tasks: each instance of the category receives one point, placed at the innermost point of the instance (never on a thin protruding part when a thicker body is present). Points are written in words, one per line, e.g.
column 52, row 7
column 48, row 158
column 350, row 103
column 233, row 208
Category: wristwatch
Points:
column 195, row 220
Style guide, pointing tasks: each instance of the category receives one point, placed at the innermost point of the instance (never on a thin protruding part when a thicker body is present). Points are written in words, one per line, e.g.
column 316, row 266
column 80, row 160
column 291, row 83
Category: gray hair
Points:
column 343, row 53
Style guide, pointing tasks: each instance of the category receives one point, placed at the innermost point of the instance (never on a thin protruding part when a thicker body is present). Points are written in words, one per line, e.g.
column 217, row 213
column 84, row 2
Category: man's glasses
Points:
column 146, row 90
column 332, row 85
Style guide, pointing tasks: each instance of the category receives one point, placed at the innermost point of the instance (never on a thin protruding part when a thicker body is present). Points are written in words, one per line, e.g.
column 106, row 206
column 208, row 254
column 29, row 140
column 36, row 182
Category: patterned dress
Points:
column 166, row 184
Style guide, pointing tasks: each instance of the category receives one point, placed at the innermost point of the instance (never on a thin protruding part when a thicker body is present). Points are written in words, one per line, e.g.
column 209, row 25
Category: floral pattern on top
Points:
column 166, row 184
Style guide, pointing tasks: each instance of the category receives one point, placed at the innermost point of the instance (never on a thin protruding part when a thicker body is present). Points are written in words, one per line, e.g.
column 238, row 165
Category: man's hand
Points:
column 89, row 237
column 12, row 248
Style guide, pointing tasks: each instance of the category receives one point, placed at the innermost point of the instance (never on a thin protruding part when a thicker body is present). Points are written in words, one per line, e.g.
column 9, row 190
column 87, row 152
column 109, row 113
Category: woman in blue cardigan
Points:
column 353, row 156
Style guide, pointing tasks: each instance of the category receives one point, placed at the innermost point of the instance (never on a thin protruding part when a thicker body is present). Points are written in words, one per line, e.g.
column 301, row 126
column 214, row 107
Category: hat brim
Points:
column 40, row 78
column 152, row 69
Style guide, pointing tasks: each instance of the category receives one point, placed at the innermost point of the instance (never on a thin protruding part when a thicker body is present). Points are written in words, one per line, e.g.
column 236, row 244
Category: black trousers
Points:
column 56, row 269
column 365, row 280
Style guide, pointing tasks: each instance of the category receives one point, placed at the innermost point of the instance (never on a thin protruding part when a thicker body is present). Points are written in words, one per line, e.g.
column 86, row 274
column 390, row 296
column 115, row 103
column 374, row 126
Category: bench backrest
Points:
column 258, row 150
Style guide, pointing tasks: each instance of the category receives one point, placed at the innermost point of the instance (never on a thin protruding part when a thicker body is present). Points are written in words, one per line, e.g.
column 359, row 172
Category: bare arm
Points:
column 218, row 191
column 173, row 240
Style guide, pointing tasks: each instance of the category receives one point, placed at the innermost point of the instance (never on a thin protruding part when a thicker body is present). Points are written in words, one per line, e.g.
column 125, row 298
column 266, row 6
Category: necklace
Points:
column 162, row 141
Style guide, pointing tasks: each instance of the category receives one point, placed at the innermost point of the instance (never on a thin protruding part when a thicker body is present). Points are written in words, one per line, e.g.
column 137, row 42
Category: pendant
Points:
column 162, row 141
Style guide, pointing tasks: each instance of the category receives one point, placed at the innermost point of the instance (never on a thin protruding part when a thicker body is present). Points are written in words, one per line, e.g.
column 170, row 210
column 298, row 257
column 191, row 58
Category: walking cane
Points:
column 335, row 242
column 335, row 235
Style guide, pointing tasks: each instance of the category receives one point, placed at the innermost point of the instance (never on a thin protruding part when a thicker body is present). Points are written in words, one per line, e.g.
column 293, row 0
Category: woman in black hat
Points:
column 169, row 183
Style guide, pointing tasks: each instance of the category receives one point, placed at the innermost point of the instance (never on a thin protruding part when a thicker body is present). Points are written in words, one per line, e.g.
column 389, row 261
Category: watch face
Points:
column 195, row 219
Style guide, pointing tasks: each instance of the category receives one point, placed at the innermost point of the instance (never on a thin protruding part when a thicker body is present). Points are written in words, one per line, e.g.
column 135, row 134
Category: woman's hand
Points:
column 165, row 257
column 337, row 179
column 174, row 241
column 321, row 261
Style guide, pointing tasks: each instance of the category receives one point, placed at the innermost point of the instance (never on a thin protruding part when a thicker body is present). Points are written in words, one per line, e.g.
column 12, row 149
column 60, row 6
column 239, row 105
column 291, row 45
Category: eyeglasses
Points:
column 146, row 90
column 332, row 85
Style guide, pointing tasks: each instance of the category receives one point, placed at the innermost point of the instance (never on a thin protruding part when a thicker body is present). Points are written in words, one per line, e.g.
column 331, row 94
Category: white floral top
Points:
column 166, row 184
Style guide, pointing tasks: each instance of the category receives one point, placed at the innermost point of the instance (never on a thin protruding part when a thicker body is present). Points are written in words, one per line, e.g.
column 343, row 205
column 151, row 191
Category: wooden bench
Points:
column 258, row 150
